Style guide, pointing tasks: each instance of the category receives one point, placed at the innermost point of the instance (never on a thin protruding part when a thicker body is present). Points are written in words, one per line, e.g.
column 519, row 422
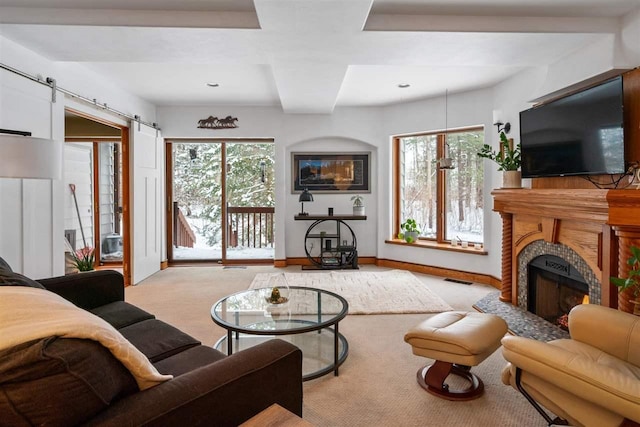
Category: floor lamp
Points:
column 26, row 157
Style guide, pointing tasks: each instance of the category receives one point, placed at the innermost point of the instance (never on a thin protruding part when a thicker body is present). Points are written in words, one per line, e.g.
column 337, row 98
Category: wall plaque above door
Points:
column 211, row 122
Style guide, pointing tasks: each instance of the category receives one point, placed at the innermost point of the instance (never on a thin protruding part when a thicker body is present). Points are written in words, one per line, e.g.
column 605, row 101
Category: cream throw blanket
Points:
column 30, row 313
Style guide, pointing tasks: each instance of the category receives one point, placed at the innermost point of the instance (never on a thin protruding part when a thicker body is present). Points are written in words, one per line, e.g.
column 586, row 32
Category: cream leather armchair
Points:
column 592, row 379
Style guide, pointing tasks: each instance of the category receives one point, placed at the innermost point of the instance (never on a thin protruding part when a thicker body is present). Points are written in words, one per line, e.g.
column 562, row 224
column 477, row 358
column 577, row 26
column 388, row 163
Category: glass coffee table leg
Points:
column 335, row 349
column 230, row 342
column 319, row 311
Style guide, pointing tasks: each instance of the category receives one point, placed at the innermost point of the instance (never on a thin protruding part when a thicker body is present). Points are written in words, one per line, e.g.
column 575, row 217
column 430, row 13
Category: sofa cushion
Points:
column 120, row 314
column 59, row 381
column 9, row 278
column 157, row 340
column 188, row 360
column 4, row 265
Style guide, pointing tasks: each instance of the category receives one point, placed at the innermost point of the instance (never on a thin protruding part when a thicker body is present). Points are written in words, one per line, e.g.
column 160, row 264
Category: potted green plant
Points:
column 83, row 259
column 631, row 282
column 358, row 205
column 508, row 160
column 410, row 231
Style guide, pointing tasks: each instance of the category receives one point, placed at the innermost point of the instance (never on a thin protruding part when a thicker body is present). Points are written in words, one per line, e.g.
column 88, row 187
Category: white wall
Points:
column 629, row 36
column 32, row 211
column 463, row 109
column 371, row 129
column 32, row 221
column 515, row 94
column 349, row 129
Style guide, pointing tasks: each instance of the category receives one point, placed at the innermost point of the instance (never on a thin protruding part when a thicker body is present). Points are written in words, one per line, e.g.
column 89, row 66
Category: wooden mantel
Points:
column 598, row 224
column 588, row 205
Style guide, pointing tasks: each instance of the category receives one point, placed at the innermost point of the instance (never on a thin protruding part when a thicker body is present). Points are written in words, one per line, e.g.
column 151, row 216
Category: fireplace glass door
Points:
column 555, row 287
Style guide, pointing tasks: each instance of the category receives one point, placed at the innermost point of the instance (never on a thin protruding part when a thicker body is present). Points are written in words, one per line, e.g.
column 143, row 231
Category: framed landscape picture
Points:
column 331, row 172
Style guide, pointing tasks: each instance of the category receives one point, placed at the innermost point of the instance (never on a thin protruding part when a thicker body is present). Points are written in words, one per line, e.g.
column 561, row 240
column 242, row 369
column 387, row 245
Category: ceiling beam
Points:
column 492, row 24
column 309, row 88
column 129, row 18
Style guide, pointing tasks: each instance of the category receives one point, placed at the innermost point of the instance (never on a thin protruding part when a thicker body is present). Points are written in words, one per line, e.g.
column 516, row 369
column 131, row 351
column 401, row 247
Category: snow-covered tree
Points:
column 197, row 181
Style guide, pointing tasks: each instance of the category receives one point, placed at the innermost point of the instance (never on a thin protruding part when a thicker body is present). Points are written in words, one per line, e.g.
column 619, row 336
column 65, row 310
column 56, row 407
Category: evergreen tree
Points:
column 197, row 181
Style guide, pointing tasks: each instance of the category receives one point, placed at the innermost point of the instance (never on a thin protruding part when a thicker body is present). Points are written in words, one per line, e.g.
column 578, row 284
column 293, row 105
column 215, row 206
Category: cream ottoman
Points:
column 456, row 340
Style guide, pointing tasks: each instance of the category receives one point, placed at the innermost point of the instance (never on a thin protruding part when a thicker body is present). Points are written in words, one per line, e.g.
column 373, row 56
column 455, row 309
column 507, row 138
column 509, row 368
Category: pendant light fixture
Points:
column 445, row 162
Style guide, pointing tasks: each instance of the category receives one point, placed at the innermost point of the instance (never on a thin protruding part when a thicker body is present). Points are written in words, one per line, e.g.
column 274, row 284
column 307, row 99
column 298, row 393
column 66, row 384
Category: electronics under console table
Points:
column 329, row 242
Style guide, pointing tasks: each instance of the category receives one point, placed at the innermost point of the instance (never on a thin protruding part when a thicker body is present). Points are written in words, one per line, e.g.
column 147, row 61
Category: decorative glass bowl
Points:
column 278, row 290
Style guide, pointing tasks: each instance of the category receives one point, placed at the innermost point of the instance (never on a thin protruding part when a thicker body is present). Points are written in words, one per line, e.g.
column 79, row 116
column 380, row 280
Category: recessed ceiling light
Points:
column 404, row 85
column 213, row 84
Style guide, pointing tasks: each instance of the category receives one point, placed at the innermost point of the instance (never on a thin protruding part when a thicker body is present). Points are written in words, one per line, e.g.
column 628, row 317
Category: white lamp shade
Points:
column 29, row 157
column 497, row 116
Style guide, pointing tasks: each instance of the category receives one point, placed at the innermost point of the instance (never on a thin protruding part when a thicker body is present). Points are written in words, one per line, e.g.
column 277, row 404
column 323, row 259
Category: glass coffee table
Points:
column 309, row 319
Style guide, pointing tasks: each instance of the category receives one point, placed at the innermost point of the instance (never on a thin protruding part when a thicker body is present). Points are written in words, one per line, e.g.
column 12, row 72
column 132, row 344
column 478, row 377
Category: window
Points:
column 447, row 204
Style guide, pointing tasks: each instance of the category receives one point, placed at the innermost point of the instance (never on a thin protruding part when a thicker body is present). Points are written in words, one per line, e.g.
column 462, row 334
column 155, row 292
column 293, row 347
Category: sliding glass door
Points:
column 222, row 200
column 250, row 201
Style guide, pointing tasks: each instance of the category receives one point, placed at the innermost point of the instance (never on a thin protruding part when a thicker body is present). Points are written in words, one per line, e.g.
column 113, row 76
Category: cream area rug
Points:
column 378, row 292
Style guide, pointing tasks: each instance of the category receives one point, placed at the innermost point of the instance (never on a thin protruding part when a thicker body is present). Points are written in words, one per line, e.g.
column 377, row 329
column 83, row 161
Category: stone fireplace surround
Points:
column 540, row 247
column 591, row 228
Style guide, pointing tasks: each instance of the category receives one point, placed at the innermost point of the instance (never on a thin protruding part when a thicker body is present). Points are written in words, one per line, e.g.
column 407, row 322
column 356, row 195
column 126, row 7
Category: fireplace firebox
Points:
column 554, row 288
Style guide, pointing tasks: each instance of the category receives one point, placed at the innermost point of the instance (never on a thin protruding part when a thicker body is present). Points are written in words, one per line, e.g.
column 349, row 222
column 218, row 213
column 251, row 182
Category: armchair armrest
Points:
column 88, row 290
column 224, row 393
column 592, row 377
column 612, row 331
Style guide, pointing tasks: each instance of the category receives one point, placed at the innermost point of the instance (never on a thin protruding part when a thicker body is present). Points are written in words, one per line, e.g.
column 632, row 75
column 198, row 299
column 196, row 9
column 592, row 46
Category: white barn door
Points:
column 146, row 201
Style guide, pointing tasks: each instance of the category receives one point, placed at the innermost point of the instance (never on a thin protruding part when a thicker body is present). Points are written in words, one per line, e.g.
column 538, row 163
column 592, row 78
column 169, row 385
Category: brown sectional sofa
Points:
column 67, row 381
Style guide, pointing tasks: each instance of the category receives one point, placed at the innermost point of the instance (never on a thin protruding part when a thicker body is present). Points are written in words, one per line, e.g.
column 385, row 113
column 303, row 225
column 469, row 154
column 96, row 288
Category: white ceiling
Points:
column 307, row 56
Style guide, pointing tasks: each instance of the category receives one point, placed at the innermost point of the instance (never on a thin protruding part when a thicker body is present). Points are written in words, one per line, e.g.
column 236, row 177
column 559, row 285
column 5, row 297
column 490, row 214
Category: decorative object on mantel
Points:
column 216, row 123
column 508, row 160
column 631, row 283
column 358, row 205
column 410, row 231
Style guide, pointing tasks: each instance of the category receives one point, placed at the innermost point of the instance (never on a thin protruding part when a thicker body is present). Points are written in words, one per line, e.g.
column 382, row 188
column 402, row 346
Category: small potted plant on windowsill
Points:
column 358, row 205
column 508, row 160
column 410, row 231
column 630, row 285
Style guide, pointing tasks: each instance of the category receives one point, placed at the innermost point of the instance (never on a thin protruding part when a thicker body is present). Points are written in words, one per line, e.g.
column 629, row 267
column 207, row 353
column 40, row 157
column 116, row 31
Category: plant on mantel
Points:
column 508, row 158
column 630, row 284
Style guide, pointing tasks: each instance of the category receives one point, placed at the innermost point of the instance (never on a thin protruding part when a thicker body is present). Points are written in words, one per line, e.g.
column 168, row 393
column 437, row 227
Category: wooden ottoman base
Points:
column 432, row 379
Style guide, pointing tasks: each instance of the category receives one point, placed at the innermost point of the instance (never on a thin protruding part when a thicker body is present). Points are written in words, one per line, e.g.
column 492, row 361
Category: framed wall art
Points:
column 331, row 172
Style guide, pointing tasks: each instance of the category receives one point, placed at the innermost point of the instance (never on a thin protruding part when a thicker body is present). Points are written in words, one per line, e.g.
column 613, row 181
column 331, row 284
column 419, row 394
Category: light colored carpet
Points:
column 367, row 292
column 377, row 384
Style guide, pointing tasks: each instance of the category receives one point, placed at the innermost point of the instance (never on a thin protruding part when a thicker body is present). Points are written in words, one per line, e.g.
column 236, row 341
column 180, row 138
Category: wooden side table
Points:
column 276, row 416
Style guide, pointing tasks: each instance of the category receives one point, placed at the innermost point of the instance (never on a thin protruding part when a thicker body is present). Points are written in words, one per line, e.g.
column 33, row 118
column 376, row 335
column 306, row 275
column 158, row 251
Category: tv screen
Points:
column 580, row 134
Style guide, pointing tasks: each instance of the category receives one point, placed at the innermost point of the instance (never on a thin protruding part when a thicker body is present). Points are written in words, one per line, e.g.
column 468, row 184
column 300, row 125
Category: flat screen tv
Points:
column 580, row 134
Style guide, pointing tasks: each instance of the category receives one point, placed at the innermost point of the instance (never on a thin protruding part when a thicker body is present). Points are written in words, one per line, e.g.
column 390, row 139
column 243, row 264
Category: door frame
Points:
column 223, row 180
column 126, row 220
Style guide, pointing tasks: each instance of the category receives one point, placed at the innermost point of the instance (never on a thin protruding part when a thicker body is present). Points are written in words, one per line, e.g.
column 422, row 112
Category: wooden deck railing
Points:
column 250, row 227
column 182, row 233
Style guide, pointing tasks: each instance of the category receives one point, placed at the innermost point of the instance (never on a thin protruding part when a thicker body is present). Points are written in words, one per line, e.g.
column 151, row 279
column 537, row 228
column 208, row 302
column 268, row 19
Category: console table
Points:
column 337, row 243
